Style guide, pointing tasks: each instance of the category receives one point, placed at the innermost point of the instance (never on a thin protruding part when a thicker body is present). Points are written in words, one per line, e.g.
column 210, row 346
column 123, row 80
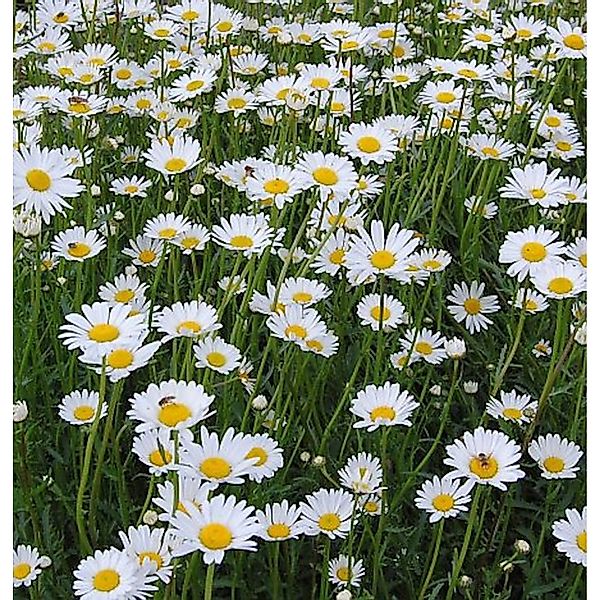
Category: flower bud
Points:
column 150, row 517
column 20, row 411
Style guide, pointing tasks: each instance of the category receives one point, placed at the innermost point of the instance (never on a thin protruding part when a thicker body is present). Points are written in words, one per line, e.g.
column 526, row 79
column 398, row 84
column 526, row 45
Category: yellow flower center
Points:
column 38, row 180
column 512, row 413
column 386, row 34
column 173, row 414
column 21, row 571
column 241, row 241
column 582, row 541
column 189, row 15
column 583, row 260
column 124, row 296
column 161, row 33
column 490, row 151
column 278, row 530
column 175, row 165
column 147, row 256
column 376, row 313
column 78, row 249
column 401, row 78
column 554, row 464
column 472, row 306
column 560, row 285
column 60, row 17
column 443, row 502
column 343, row 574
column 552, row 121
column 315, row 345
column 168, row 233
column 432, row 264
column 398, row 52
column 349, row 45
column 329, row 521
column 224, row 26
column 483, row 37
column 258, row 453
column 234, row 103
column 123, row 74
column 215, row 536
column 368, row 144
column 216, row 359
column 383, row 412
column 215, row 468
column 190, row 242
column 524, row 33
column 564, row 146
column 120, row 358
column 160, row 459
column 383, row 259
column 574, row 41
column 143, row 104
column 445, row 97
column 188, row 326
column 131, row 189
column 533, row 252
column 325, row 176
column 153, row 556
column 337, row 107
column 106, row 580
column 302, row 297
column 276, row 186
column 47, row 47
column 337, row 256
column 468, row 73
column 103, row 332
column 424, row 348
column 296, row 330
column 371, row 506
column 320, row 83
column 538, row 193
column 485, row 467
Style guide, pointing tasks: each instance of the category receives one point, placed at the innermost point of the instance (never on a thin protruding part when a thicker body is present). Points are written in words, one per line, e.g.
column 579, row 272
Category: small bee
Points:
column 76, row 100
column 166, row 401
column 72, row 245
column 484, row 459
column 249, row 170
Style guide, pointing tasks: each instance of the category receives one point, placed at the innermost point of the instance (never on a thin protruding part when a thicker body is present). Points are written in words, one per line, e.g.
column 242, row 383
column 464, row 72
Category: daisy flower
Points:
column 279, row 521
column 302, row 291
column 223, row 524
column 369, row 143
column 444, row 498
column 187, row 319
column 182, row 155
column 530, row 300
column 156, row 450
column 570, row 39
column 490, row 147
column 192, row 492
column 266, row 454
column 170, row 405
column 512, row 407
column 327, row 511
column 383, row 405
column 193, row 238
column 274, row 184
column 165, row 227
column 341, row 574
column 217, row 460
column 42, row 180
column 296, row 323
column 485, row 456
column 375, row 253
column 332, row 174
column 487, row 210
column 122, row 290
column 149, row 547
column 542, row 349
column 425, row 344
column 578, row 251
column 77, row 244
column 469, row 305
column 370, row 311
column 101, row 327
column 557, row 457
column 112, row 573
column 130, row 186
column 145, row 251
column 442, row 96
column 79, row 407
column 536, row 185
column 560, row 280
column 529, row 249
column 526, row 28
column 362, row 474
column 26, row 565
column 572, row 533
column 217, row 354
column 249, row 234
column 332, row 256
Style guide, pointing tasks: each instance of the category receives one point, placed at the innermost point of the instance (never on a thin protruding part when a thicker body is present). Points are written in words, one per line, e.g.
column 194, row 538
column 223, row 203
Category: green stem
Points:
column 208, row 584
column 436, row 551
